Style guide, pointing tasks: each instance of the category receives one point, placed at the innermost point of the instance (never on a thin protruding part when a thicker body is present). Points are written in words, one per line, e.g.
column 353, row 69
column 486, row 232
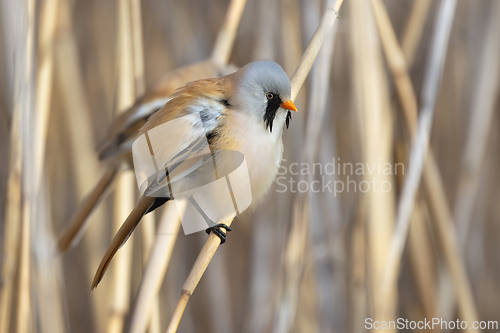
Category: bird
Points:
column 245, row 111
column 114, row 148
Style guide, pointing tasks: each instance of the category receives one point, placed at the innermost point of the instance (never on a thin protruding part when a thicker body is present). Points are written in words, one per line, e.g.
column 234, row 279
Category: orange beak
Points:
column 289, row 105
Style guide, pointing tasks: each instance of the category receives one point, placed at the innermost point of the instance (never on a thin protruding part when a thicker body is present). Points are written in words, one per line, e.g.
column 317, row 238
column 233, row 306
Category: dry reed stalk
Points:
column 148, row 222
column 320, row 90
column 320, row 84
column 297, row 240
column 12, row 223
column 413, row 32
column 76, row 104
column 375, row 131
column 23, row 311
column 452, row 245
column 48, row 271
column 396, row 61
column 218, row 295
column 137, row 46
column 308, row 315
column 307, row 60
column 422, row 263
column 482, row 111
column 291, row 44
column 50, row 310
column 213, row 242
column 13, row 209
column 420, row 255
column 290, row 36
column 266, row 241
column 121, row 271
column 24, row 104
column 199, row 267
column 74, row 230
column 446, row 236
column 48, row 19
column 13, row 187
column 122, row 268
column 267, row 232
column 79, row 220
column 448, row 242
column 266, row 25
column 81, row 140
column 225, row 40
column 359, row 274
column 126, row 187
column 148, row 232
column 328, row 243
column 437, row 199
column 70, row 235
column 420, row 146
column 156, row 267
column 397, row 65
column 294, row 256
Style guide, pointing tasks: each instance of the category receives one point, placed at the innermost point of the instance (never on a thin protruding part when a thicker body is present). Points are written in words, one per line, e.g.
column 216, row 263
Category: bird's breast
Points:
column 262, row 149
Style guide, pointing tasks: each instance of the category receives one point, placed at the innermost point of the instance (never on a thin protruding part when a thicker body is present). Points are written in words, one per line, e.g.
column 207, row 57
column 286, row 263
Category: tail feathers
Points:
column 144, row 204
column 78, row 223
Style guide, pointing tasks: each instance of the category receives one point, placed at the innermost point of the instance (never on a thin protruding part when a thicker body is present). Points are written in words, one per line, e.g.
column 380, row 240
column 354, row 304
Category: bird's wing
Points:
column 126, row 126
column 184, row 146
column 177, row 134
column 184, row 165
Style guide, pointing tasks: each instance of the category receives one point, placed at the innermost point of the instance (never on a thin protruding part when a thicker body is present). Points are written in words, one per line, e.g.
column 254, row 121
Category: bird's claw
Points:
column 218, row 232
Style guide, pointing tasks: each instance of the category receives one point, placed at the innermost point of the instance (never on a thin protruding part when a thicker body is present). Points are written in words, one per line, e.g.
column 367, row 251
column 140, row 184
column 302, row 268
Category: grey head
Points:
column 264, row 89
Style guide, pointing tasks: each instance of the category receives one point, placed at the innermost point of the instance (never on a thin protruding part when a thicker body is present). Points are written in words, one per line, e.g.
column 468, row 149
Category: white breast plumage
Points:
column 263, row 150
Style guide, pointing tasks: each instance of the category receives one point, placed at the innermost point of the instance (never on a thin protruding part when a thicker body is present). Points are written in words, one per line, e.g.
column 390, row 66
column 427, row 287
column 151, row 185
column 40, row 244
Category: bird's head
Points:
column 264, row 89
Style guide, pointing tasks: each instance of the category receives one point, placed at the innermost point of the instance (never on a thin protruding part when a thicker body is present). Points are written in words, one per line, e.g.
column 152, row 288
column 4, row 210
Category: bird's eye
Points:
column 269, row 95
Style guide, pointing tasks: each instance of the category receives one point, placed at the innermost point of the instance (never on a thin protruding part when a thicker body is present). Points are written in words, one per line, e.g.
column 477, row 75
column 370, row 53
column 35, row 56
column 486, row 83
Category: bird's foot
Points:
column 218, row 232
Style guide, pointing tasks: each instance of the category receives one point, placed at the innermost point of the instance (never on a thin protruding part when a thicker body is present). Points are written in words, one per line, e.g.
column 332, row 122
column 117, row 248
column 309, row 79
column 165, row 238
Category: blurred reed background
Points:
column 303, row 261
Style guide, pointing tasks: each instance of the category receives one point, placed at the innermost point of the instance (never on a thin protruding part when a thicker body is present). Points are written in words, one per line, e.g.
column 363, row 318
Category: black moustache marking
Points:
column 288, row 118
column 271, row 109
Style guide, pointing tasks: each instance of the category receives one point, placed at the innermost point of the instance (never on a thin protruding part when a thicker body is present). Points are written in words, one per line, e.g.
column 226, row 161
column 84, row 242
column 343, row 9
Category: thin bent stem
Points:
column 225, row 39
column 482, row 111
column 156, row 267
column 125, row 189
column 434, row 186
column 419, row 149
column 307, row 60
column 199, row 267
column 24, row 105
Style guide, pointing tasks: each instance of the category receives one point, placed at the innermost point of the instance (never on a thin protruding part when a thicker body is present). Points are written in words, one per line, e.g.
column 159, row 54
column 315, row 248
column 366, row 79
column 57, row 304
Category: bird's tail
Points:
column 79, row 220
column 143, row 206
